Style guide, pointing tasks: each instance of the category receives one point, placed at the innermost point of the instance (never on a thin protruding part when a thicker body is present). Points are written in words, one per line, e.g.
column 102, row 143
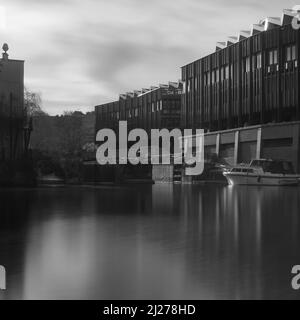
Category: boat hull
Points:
column 261, row 180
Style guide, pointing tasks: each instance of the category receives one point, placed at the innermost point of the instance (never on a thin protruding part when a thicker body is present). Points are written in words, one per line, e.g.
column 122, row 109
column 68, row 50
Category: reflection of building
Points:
column 250, row 79
column 11, row 108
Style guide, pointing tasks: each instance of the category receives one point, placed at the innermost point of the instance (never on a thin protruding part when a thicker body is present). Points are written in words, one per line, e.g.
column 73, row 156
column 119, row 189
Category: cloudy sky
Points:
column 83, row 53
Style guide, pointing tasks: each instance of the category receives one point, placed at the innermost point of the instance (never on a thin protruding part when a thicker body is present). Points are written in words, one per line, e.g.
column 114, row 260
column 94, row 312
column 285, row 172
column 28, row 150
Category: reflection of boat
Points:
column 263, row 172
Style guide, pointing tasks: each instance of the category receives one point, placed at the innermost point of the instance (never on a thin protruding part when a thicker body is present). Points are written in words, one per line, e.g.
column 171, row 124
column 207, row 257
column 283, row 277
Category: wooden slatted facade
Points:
column 252, row 81
column 155, row 108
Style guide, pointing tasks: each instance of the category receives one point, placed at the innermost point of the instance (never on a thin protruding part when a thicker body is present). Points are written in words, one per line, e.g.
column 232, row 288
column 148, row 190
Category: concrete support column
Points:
column 218, row 140
column 258, row 145
column 236, row 148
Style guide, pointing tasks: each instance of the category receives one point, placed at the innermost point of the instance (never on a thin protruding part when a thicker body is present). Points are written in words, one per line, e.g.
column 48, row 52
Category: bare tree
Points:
column 33, row 103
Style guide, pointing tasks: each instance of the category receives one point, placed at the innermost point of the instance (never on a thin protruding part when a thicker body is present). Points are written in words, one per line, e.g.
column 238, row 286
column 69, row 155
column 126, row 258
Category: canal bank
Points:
column 278, row 141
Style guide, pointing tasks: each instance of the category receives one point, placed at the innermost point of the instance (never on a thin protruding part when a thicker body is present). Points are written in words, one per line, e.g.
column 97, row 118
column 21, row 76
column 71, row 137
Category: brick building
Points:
column 12, row 117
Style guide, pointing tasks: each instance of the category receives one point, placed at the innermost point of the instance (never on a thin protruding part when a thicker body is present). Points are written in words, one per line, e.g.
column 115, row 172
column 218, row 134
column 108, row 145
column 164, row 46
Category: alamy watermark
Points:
column 186, row 148
column 296, row 278
column 2, row 278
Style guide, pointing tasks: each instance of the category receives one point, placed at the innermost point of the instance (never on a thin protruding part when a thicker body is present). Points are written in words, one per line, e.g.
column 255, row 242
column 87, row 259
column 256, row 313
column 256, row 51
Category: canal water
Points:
column 150, row 242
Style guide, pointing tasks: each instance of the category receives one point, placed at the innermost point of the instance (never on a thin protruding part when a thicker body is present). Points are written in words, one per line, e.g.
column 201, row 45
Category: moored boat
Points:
column 263, row 172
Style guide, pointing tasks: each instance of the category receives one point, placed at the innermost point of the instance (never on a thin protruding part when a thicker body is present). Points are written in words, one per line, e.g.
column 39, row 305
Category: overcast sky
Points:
column 82, row 53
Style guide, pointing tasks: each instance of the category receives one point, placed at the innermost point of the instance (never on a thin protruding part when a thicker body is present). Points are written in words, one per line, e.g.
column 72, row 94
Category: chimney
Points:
column 5, row 49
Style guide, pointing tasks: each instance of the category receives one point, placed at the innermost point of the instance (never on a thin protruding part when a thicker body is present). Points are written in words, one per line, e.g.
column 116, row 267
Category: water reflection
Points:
column 156, row 242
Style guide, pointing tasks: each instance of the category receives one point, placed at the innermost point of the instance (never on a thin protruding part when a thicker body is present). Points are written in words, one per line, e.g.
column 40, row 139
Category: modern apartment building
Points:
column 251, row 78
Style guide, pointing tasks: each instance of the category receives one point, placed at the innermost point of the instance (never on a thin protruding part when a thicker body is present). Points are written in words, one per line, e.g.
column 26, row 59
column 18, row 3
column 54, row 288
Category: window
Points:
column 270, row 58
column 258, row 61
column 183, row 87
column 227, row 72
column 293, row 52
column 207, row 78
column 189, row 86
column 247, row 170
column 213, row 77
column 247, row 64
column 254, row 62
column 153, row 109
column 273, row 57
column 236, row 170
column 290, row 53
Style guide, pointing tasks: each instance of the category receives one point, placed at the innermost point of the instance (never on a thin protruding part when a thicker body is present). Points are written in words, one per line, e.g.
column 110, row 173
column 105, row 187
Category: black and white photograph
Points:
column 149, row 153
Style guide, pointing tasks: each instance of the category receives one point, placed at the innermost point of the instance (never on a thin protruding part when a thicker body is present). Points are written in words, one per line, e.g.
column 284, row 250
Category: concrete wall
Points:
column 275, row 141
column 163, row 173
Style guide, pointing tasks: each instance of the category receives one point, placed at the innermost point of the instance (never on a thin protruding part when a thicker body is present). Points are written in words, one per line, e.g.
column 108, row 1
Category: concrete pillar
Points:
column 236, row 148
column 258, row 145
column 218, row 140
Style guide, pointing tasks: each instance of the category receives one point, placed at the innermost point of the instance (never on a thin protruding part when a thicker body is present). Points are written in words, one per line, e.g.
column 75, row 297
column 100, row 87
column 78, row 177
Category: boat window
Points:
column 288, row 167
column 258, row 163
column 236, row 170
column 247, row 170
column 254, row 163
column 279, row 167
column 274, row 166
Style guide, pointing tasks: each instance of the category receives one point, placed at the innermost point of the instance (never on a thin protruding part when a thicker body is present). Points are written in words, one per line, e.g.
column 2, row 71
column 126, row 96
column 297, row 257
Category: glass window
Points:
column 288, row 54
column 247, row 64
column 258, row 61
column 227, row 72
column 254, row 61
column 275, row 56
column 294, row 52
column 270, row 58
